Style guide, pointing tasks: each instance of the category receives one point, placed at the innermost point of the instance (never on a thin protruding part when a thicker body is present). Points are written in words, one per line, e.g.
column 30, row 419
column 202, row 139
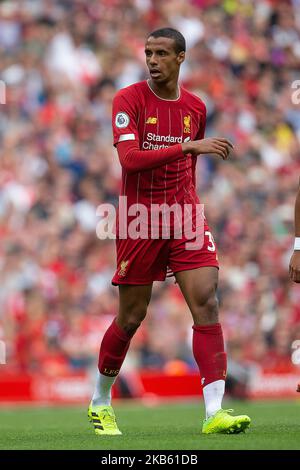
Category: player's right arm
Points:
column 294, row 268
column 125, row 117
column 216, row 145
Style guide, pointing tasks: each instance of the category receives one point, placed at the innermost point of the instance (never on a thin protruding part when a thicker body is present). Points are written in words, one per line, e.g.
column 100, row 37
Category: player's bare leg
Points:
column 133, row 303
column 199, row 289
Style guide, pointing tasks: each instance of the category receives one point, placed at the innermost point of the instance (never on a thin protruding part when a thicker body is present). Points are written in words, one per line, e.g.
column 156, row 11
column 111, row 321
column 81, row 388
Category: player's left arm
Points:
column 294, row 268
column 202, row 123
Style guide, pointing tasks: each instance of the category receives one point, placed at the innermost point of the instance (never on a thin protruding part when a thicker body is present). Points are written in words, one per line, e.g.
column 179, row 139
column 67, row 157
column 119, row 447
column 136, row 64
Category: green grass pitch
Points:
column 275, row 425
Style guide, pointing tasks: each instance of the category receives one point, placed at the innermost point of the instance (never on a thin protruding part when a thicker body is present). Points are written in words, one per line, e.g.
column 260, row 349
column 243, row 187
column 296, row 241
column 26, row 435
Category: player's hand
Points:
column 216, row 145
column 294, row 268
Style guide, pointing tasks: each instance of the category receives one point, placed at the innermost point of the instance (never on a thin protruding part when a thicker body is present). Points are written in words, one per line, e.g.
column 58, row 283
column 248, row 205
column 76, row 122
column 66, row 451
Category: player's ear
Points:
column 180, row 57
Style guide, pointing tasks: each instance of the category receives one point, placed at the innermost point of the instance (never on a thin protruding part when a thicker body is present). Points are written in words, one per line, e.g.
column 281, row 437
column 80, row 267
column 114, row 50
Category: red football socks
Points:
column 208, row 349
column 113, row 349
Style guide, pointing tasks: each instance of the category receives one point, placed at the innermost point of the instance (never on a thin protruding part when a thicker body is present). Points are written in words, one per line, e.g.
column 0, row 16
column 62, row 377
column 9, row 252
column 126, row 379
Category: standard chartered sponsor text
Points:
column 153, row 141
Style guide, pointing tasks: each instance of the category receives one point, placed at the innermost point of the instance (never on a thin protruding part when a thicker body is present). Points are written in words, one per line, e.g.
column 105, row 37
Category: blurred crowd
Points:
column 62, row 61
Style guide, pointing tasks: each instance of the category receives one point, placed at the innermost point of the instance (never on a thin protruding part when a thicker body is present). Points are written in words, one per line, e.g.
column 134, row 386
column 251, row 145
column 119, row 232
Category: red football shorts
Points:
column 142, row 261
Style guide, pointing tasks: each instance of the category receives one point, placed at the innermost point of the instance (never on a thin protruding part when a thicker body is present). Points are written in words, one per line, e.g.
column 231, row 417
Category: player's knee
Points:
column 206, row 308
column 132, row 319
column 131, row 325
column 212, row 305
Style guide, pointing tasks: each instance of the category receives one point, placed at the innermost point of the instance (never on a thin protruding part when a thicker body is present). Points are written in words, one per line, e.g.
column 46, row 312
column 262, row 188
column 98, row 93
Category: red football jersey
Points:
column 156, row 123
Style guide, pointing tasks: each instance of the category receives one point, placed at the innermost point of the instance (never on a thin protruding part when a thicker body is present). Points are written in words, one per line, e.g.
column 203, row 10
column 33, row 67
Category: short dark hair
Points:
column 172, row 34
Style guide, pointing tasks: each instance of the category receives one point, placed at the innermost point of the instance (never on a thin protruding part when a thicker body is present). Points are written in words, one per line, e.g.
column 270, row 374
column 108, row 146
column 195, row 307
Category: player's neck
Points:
column 166, row 91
